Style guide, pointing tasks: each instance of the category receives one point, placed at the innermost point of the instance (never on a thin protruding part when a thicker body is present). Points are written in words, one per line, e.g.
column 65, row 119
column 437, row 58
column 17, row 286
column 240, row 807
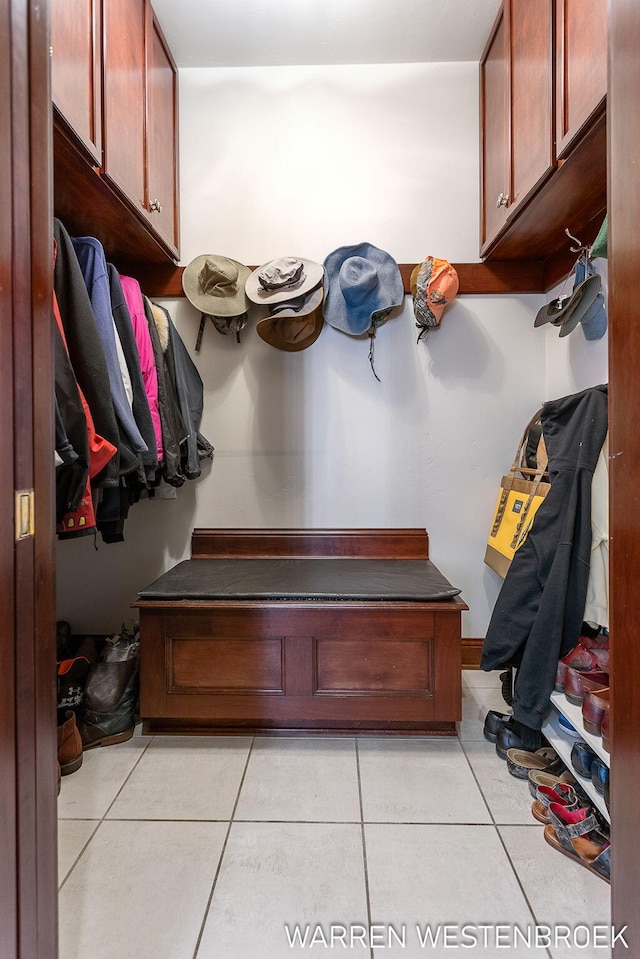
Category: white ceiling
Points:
column 228, row 33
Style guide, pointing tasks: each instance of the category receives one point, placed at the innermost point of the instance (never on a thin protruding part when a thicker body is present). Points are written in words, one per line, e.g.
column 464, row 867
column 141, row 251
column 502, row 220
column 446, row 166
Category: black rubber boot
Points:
column 109, row 705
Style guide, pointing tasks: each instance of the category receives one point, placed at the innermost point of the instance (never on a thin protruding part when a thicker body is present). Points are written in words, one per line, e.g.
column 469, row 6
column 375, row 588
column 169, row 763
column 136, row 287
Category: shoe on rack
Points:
column 493, row 723
column 540, row 777
column 605, row 731
column 594, row 706
column 583, row 660
column 567, row 728
column 582, row 757
column 594, row 637
column 562, row 793
column 599, row 775
column 577, row 683
column 577, row 834
column 69, row 745
column 521, row 761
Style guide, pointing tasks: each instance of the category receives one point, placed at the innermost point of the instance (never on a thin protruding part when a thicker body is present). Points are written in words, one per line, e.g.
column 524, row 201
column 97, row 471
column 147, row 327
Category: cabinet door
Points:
column 76, row 65
column 495, row 125
column 162, row 133
column 124, row 98
column 532, row 153
column 581, row 66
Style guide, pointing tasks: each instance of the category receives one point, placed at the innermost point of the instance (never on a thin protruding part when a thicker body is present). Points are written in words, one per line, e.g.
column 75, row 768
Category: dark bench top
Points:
column 302, row 579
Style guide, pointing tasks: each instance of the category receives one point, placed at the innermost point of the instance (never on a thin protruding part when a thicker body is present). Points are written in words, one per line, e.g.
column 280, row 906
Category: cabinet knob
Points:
column 503, row 199
column 155, row 206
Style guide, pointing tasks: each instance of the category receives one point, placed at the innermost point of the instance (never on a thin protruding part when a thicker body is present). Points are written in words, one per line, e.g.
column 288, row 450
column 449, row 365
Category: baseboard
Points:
column 471, row 652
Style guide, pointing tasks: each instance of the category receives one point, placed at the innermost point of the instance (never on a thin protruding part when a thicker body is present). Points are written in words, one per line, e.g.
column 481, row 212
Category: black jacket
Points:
column 538, row 615
column 189, row 394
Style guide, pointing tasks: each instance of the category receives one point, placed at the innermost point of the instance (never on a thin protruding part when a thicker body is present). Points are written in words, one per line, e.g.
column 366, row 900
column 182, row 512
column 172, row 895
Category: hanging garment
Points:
column 85, row 349
column 72, row 442
column 94, row 269
column 597, row 608
column 78, row 518
column 140, row 404
column 189, row 393
column 539, row 611
column 173, row 429
column 147, row 360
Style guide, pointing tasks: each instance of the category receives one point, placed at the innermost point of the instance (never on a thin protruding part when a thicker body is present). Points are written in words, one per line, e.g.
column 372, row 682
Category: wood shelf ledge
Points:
column 489, row 277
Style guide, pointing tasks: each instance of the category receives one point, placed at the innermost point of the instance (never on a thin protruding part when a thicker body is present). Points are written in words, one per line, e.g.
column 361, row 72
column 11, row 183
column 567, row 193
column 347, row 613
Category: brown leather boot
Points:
column 69, row 745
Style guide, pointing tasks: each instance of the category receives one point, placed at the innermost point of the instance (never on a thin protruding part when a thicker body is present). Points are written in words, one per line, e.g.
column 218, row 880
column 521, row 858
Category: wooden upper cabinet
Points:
column 495, row 129
column 581, row 67
column 532, row 148
column 124, row 98
column 516, row 111
column 161, row 200
column 76, row 70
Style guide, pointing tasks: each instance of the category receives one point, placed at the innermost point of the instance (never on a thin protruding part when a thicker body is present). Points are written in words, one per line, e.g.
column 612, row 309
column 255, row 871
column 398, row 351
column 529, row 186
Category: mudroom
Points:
column 289, row 286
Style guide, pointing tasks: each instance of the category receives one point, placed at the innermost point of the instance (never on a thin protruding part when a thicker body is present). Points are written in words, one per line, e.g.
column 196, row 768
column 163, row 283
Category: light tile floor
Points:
column 233, row 847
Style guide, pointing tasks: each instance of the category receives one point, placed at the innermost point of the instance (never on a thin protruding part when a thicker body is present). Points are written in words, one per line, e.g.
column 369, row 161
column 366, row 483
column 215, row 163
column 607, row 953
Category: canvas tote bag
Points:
column 521, row 492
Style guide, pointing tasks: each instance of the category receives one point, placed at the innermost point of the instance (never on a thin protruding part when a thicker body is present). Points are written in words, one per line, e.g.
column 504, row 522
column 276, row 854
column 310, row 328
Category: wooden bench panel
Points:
column 365, row 666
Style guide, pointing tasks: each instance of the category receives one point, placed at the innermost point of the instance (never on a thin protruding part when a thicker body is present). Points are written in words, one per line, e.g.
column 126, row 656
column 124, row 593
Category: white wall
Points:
column 278, row 161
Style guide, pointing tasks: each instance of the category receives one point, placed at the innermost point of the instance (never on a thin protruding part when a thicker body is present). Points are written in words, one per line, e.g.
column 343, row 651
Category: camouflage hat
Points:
column 433, row 283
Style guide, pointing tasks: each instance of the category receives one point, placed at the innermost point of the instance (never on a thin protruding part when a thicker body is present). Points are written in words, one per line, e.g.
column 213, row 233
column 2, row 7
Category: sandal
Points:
column 576, row 834
column 539, row 777
column 520, row 761
column 563, row 794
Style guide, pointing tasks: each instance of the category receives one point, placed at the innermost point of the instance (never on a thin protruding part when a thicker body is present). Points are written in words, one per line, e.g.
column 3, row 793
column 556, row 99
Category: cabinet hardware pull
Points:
column 503, row 199
column 155, row 206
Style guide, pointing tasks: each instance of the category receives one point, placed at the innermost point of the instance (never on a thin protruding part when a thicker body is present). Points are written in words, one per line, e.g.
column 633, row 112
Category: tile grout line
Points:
column 105, row 814
column 364, row 844
column 526, row 898
column 502, row 843
column 82, row 851
column 477, row 782
column 321, row 822
column 222, row 852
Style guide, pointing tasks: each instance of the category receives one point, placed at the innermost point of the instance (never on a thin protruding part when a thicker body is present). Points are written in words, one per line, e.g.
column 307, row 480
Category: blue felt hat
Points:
column 361, row 281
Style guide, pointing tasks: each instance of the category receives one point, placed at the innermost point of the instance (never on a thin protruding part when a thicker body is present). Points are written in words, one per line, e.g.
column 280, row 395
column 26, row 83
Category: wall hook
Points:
column 574, row 249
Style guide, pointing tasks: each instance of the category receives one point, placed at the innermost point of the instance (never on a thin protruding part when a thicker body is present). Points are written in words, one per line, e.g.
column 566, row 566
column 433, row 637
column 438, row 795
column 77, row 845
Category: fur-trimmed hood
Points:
column 161, row 319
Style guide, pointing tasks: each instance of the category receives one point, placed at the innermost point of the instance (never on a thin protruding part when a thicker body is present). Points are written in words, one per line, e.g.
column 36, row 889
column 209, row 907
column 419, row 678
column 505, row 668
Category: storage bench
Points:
column 281, row 630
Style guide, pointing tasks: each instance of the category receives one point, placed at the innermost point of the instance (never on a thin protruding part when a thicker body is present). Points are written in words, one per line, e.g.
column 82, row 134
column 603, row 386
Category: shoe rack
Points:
column 563, row 744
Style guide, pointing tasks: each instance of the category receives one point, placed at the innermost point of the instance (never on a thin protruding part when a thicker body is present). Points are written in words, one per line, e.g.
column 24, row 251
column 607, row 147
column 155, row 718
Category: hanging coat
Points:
column 94, row 269
column 140, row 405
column 189, row 393
column 173, row 429
column 539, row 611
column 85, row 349
column 133, row 297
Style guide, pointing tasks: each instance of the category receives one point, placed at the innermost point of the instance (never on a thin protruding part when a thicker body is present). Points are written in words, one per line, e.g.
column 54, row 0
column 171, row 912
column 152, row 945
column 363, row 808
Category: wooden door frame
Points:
column 28, row 925
column 624, row 451
column 28, row 914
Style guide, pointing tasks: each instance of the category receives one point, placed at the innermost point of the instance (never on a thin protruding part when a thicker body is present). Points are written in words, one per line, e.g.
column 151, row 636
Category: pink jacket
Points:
column 133, row 296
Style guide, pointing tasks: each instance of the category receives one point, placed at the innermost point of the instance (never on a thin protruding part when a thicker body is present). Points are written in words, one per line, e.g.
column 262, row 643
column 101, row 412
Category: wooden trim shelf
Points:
column 490, row 277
